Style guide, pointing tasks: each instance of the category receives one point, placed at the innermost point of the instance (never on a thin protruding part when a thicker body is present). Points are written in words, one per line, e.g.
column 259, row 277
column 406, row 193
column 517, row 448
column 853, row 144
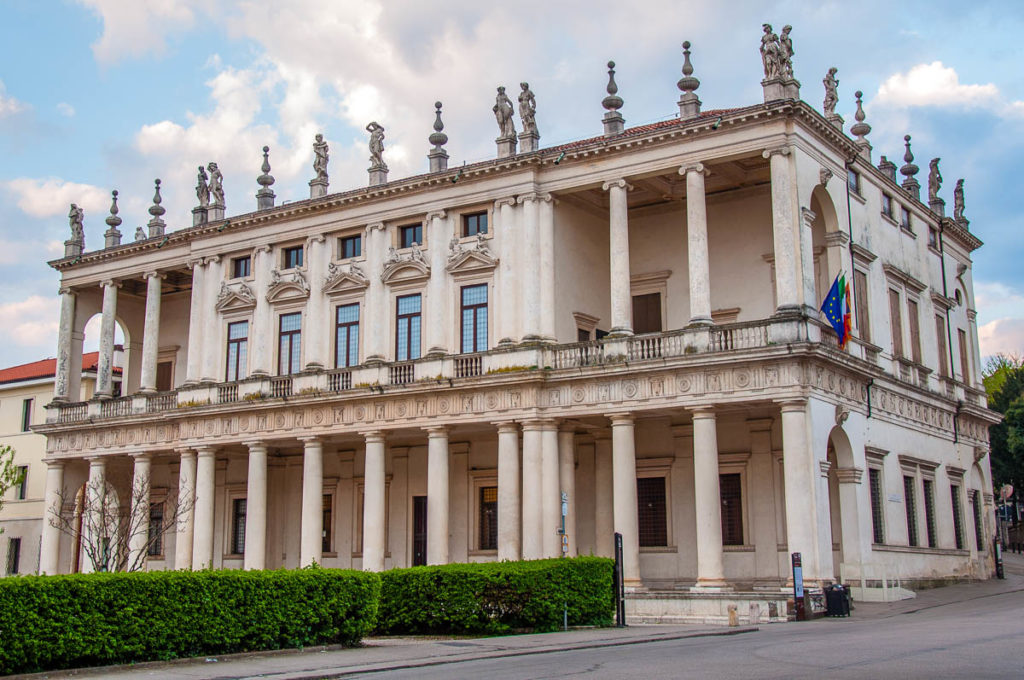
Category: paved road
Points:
column 979, row 638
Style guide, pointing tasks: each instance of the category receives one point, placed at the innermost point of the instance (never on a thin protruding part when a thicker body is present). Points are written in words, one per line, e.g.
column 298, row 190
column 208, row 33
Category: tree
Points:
column 10, row 474
column 115, row 536
column 1004, row 383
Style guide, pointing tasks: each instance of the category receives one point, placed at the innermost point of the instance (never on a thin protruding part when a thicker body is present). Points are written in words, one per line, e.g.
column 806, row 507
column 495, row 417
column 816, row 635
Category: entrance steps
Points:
column 682, row 606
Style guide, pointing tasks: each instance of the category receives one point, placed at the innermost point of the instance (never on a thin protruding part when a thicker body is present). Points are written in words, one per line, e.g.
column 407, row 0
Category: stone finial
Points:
column 530, row 136
column 614, row 123
column 318, row 185
column 437, row 156
column 689, row 104
column 937, row 205
column 156, row 225
column 912, row 186
column 378, row 168
column 888, row 168
column 74, row 245
column 958, row 205
column 265, row 195
column 112, row 237
column 860, row 129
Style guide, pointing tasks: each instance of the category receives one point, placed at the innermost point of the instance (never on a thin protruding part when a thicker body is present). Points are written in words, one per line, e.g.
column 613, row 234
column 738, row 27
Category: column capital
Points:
column 107, row 283
column 255, row 444
column 193, row 263
column 66, row 290
column 532, row 424
column 154, row 274
column 185, row 452
column 211, row 259
column 783, row 150
column 265, row 248
column 620, row 418
column 694, row 167
column 55, row 464
column 313, row 439
column 96, row 459
column 523, row 198
column 808, row 216
column 436, row 214
column 206, row 451
column 508, row 200
column 374, row 226
column 374, row 437
column 703, row 412
column 507, row 426
column 143, row 456
column 437, row 431
column 315, row 238
column 790, row 405
column 620, row 183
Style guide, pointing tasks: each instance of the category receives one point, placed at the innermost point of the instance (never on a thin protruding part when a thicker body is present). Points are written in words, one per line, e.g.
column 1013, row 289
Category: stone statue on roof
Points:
column 958, row 202
column 376, row 145
column 770, row 49
column 203, row 188
column 216, row 185
column 786, row 52
column 503, row 111
column 75, row 220
column 934, row 180
column 831, row 91
column 528, row 109
column 140, row 234
column 320, row 157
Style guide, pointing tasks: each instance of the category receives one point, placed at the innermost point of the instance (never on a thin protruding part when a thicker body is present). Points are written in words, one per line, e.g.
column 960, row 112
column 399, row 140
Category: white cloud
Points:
column 937, row 85
column 132, row 28
column 15, row 252
column 1002, row 336
column 9, row 105
column 66, row 109
column 52, row 196
column 30, row 323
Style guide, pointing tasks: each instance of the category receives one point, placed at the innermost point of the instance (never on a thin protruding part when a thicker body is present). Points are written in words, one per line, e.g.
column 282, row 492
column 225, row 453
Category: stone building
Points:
column 418, row 371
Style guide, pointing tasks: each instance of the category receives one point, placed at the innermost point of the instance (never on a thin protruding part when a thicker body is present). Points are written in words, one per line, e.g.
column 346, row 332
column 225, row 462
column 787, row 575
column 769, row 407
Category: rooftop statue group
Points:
column 777, row 53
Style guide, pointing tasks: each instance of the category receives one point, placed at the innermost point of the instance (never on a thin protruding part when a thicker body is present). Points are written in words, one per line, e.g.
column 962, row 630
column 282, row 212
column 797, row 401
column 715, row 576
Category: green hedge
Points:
column 496, row 597
column 51, row 622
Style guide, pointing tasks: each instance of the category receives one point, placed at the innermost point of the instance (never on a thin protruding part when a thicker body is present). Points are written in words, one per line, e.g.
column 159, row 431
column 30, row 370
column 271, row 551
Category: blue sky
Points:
column 104, row 94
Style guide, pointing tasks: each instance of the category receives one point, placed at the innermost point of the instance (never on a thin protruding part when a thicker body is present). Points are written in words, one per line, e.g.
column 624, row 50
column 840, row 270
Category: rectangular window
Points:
column 289, row 343
column 853, row 181
column 473, row 224
column 582, row 335
column 488, row 518
column 965, row 371
column 940, row 336
column 156, row 530
column 979, row 520
column 896, row 322
column 13, row 556
column 860, row 292
column 26, row 414
column 238, row 526
column 933, row 237
column 409, row 234
column 346, row 336
column 905, row 219
column 240, row 267
column 908, row 498
column 407, row 323
column 350, row 246
column 732, row 508
column 20, row 492
column 914, row 323
column 292, row 257
column 474, row 318
column 958, row 517
column 647, row 313
column 877, row 508
column 326, row 542
column 887, row 205
column 929, row 512
column 652, row 511
column 238, row 351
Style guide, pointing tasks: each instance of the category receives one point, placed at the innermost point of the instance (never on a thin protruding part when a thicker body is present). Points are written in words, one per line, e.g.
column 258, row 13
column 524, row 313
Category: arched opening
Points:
column 122, row 360
column 841, row 500
column 827, row 254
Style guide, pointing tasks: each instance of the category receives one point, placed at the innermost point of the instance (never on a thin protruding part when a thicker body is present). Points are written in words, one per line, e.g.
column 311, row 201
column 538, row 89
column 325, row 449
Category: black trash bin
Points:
column 836, row 601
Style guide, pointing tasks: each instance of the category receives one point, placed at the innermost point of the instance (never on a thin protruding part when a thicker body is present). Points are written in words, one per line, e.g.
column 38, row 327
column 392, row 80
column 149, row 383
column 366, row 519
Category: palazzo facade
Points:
column 419, row 372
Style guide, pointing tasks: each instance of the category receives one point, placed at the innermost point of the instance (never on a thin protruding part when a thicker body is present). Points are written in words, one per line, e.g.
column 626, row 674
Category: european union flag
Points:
column 836, row 308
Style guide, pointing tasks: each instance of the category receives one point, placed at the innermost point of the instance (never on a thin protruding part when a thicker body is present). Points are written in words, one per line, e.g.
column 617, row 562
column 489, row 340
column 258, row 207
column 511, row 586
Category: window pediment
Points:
column 290, row 284
column 476, row 258
column 405, row 268
column 236, row 295
column 344, row 278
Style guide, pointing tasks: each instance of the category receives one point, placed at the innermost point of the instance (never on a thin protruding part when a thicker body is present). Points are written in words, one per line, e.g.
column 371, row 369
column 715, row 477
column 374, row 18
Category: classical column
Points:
column 261, row 331
column 529, row 247
column 604, row 520
column 213, row 347
column 508, row 239
column 62, row 381
column 808, row 294
column 509, row 500
column 374, row 529
column 707, row 501
column 567, row 477
column 256, row 507
column 105, row 370
column 546, row 257
column 93, row 515
column 187, row 503
column 151, row 331
column 624, row 496
column 138, row 542
column 551, row 499
column 311, row 543
column 784, row 231
column 194, row 360
column 436, row 326
column 437, row 495
column 761, row 506
column 533, row 518
column 799, row 485
column 49, row 545
column 318, row 313
column 377, row 304
column 202, row 539
column 697, row 244
column 618, row 238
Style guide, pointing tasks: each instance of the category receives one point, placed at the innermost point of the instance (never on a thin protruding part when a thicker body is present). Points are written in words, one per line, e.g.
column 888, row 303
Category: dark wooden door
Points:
column 163, row 376
column 419, row 530
column 647, row 313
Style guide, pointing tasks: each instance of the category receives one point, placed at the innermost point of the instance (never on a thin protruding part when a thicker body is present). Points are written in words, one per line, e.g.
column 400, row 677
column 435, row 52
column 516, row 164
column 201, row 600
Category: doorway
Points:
column 419, row 531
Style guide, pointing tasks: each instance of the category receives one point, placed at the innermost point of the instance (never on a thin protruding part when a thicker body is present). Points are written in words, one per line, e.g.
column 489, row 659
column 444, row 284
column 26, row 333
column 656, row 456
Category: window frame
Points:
column 404, row 229
column 350, row 340
column 474, row 309
column 293, row 336
column 241, row 371
column 956, row 506
column 236, row 262
column 853, row 181
column 914, row 328
column 236, row 545
column 906, row 222
column 740, row 512
column 942, row 345
column 21, row 489
column 479, row 479
column 328, row 510
column 466, row 220
column 351, row 238
column 288, row 262
column 27, row 408
column 13, row 566
column 876, row 497
column 965, row 359
column 399, row 317
column 886, row 205
column 978, row 511
column 863, row 306
column 659, row 467
column 930, row 518
column 896, row 322
column 910, row 506
column 641, row 512
column 155, row 544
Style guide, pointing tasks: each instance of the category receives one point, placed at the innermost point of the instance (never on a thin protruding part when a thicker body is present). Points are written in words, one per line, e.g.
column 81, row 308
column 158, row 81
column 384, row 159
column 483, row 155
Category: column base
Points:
column 620, row 333
column 506, row 343
column 102, row 395
column 700, row 322
column 435, row 353
column 786, row 311
column 147, row 390
column 374, row 360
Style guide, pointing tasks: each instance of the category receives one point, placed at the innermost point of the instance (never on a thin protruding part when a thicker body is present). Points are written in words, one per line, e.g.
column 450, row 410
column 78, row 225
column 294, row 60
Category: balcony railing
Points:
column 469, row 366
column 281, row 386
column 155, row 403
column 227, row 393
column 401, row 374
column 338, row 381
column 113, row 408
column 72, row 413
column 577, row 354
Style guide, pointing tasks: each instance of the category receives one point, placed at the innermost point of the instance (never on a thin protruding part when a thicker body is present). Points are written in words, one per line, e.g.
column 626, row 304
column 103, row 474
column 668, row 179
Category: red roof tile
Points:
column 47, row 368
column 641, row 130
